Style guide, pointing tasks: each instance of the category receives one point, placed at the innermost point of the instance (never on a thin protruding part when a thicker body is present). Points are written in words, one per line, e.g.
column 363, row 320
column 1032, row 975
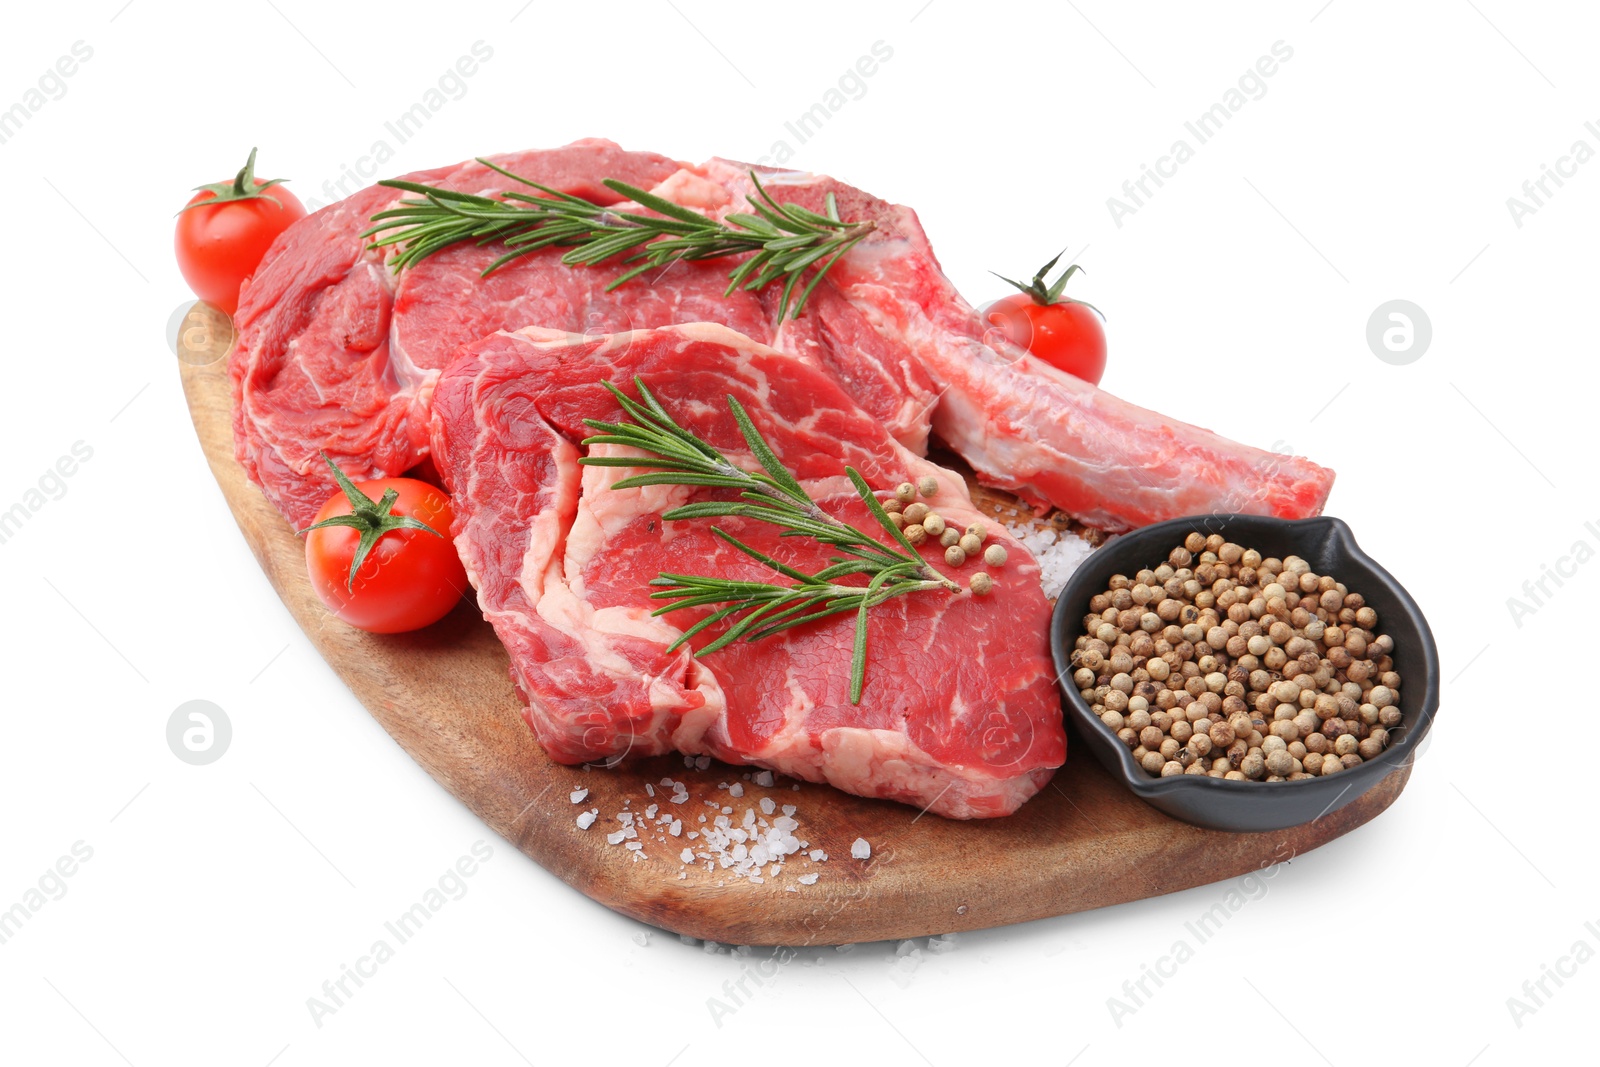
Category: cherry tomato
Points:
column 1063, row 332
column 409, row 577
column 225, row 230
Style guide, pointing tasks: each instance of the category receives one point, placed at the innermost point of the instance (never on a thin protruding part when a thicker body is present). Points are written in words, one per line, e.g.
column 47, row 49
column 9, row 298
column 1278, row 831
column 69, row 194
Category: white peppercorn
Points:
column 1236, row 660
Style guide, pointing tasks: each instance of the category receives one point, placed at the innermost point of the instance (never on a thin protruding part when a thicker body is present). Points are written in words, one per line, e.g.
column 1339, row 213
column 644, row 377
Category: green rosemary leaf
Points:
column 756, row 554
column 714, row 481
column 658, row 204
column 858, row 654
column 764, row 454
column 755, row 610
column 709, row 621
column 871, row 500
column 777, row 240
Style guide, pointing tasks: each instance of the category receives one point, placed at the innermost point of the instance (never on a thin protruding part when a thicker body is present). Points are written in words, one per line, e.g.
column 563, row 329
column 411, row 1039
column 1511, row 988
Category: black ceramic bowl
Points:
column 1217, row 803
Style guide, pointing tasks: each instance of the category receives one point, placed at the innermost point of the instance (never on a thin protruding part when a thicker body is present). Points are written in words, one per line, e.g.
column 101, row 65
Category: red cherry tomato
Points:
column 226, row 229
column 1063, row 332
column 409, row 577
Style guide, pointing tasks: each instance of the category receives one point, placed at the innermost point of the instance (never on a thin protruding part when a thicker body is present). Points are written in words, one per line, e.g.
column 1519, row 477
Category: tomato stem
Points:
column 370, row 518
column 1046, row 293
column 244, row 186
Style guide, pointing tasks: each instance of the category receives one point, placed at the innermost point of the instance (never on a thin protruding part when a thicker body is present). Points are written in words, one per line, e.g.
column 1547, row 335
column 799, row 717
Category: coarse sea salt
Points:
column 739, row 842
column 586, row 818
column 577, row 795
column 1059, row 553
column 860, row 849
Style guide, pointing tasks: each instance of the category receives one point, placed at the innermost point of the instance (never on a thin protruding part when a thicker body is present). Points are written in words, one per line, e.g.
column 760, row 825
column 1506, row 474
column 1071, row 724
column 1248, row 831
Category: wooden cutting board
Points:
column 444, row 694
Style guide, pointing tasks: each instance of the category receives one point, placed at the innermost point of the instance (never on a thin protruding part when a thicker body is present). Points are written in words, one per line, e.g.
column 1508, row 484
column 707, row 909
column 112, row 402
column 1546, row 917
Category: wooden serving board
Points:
column 445, row 695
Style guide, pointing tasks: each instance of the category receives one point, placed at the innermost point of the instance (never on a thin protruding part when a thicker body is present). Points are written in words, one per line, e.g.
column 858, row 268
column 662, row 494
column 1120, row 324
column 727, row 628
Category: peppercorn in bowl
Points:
column 1244, row 673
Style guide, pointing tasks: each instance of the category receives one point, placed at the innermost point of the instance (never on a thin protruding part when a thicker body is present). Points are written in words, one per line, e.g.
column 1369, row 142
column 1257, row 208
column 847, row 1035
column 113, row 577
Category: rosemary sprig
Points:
column 785, row 238
column 675, row 456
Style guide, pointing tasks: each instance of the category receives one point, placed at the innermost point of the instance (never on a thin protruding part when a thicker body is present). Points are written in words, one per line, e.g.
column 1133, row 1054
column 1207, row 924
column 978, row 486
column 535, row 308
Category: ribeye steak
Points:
column 960, row 714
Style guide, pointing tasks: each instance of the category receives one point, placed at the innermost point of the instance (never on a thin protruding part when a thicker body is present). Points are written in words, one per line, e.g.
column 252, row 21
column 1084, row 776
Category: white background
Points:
column 1376, row 166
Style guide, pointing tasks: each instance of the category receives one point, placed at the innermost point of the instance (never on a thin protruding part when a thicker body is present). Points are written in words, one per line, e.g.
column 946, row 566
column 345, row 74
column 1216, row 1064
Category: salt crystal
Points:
column 763, row 778
column 767, row 806
column 616, row 838
column 817, row 855
column 676, row 828
column 860, row 849
column 942, row 944
column 1059, row 553
column 650, row 812
column 808, row 879
column 702, row 763
column 905, row 948
column 642, row 937
column 789, row 809
column 650, row 789
column 784, row 822
column 586, row 818
column 577, row 795
column 736, row 790
column 687, row 855
column 634, row 845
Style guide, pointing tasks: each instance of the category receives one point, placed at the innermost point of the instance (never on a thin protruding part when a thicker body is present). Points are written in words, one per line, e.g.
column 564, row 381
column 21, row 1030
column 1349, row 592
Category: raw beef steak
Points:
column 960, row 713
column 335, row 352
column 1023, row 425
